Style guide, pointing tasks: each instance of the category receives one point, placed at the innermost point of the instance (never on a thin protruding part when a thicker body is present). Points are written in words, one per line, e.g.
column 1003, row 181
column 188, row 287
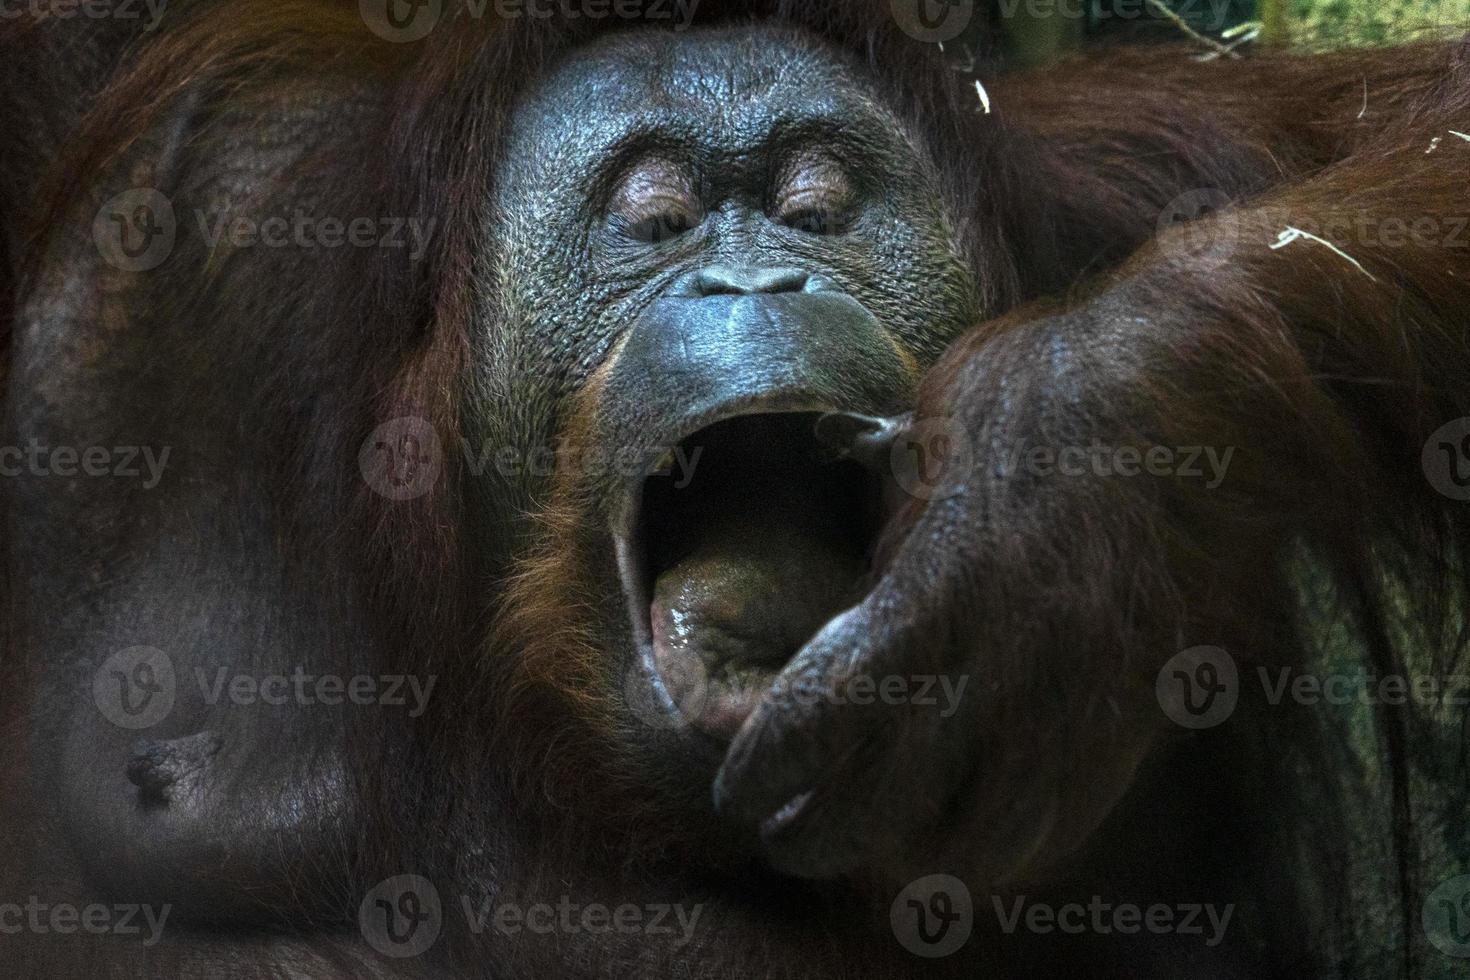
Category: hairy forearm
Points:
column 1358, row 276
column 1308, row 375
column 1107, row 163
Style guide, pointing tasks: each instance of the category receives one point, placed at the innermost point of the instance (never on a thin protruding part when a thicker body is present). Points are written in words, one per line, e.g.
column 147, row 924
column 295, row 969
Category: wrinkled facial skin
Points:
column 635, row 164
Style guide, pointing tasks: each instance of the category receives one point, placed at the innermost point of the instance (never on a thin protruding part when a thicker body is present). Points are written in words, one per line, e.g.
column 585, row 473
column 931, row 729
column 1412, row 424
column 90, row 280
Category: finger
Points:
column 864, row 438
column 844, row 784
column 808, row 731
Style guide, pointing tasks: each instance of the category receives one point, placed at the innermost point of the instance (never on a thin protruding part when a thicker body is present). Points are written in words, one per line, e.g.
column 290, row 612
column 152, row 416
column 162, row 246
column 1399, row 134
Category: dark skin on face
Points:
column 756, row 241
column 713, row 293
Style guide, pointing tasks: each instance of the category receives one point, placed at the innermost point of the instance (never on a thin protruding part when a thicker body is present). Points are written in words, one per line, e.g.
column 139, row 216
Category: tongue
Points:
column 754, row 588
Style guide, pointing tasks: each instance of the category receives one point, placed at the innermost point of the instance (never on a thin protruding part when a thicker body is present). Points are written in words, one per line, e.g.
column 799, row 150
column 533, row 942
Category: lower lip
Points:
column 716, row 707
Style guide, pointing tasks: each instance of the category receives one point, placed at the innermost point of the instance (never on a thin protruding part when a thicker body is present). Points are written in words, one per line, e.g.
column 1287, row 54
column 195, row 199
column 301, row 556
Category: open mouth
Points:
column 753, row 536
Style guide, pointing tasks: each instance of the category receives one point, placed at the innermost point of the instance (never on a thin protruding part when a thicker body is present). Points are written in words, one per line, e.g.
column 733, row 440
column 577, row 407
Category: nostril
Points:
column 724, row 280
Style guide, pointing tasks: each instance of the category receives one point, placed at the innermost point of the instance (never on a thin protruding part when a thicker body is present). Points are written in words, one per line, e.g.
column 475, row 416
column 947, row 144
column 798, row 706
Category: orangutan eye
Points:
column 815, row 220
column 655, row 203
column 666, row 223
column 815, row 199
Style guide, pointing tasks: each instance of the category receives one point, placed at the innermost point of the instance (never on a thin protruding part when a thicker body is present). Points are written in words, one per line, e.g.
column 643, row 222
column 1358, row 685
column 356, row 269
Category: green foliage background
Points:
column 1034, row 36
column 1347, row 23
